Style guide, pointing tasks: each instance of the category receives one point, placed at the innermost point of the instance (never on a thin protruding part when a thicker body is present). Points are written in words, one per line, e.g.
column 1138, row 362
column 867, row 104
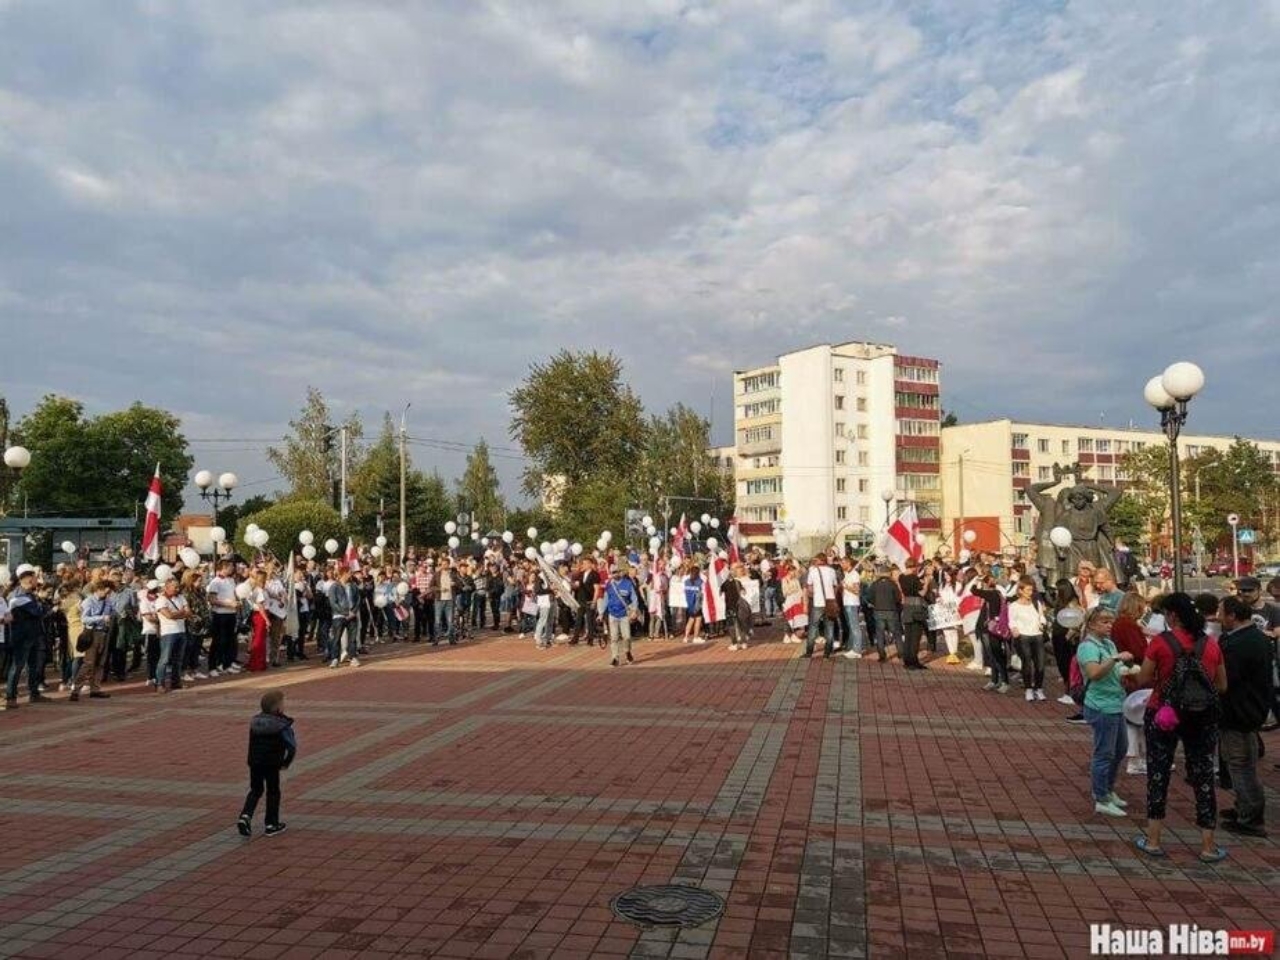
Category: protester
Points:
column 622, row 608
column 92, row 619
column 1248, row 656
column 1027, row 624
column 272, row 747
column 171, row 613
column 1102, row 665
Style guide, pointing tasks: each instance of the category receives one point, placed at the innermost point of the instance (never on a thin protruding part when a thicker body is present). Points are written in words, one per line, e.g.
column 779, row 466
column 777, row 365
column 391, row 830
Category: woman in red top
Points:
column 1198, row 733
column 1127, row 633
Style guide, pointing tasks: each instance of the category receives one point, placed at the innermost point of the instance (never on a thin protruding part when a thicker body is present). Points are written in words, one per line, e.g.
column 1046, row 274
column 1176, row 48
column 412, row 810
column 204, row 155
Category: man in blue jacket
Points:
column 622, row 607
column 26, row 634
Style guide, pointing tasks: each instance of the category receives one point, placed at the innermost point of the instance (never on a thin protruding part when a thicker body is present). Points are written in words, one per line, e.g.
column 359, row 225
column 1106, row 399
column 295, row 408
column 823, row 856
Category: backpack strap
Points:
column 1174, row 645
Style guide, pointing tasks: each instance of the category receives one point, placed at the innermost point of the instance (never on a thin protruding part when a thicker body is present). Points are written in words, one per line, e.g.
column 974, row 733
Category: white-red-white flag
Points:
column 902, row 541
column 678, row 541
column 732, row 536
column 351, row 558
column 151, row 528
column 713, row 589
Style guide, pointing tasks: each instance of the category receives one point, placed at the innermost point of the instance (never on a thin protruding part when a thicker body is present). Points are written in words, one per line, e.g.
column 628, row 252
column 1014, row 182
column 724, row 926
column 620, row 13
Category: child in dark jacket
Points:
column 272, row 746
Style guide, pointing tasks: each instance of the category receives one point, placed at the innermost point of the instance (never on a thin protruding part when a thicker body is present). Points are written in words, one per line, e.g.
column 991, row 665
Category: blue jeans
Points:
column 444, row 620
column 857, row 642
column 542, row 632
column 819, row 619
column 172, row 649
column 1110, row 744
column 22, row 653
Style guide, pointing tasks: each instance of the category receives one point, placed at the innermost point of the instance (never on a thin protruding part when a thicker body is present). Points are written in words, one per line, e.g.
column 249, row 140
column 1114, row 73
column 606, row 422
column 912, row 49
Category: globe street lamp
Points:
column 887, row 496
column 215, row 493
column 16, row 459
column 1169, row 393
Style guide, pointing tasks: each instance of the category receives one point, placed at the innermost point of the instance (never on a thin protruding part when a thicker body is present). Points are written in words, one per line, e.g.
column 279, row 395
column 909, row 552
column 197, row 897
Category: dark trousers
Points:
column 912, row 631
column 1062, row 654
column 495, row 607
column 584, row 627
column 23, row 655
column 1199, row 738
column 1239, row 749
column 153, row 654
column 995, row 653
column 424, row 623
column 260, row 777
column 1031, row 650
column 222, row 642
column 294, row 650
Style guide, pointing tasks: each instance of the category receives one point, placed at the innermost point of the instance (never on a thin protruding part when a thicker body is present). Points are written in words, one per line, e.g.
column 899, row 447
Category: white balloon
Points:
column 646, row 520
column 454, row 542
column 674, row 531
column 402, row 589
column 379, row 600
column 1060, row 537
column 602, row 545
column 706, row 518
column 576, row 549
column 381, row 541
column 531, row 553
column 306, row 537
column 655, row 543
column 484, row 541
column 375, row 551
column 696, row 527
column 244, row 589
column 532, row 533
column 970, row 536
column 606, row 536
column 545, row 548
column 562, row 545
column 68, row 546
column 190, row 557
column 715, row 523
column 217, row 534
column 475, row 535
column 251, row 528
column 508, row 536
column 650, row 530
column 1070, row 617
column 309, row 551
column 163, row 572
column 712, row 543
column 450, row 527
column 263, row 537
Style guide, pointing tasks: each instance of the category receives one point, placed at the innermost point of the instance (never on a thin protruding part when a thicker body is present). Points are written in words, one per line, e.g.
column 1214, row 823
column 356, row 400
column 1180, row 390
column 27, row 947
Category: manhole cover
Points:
column 671, row 905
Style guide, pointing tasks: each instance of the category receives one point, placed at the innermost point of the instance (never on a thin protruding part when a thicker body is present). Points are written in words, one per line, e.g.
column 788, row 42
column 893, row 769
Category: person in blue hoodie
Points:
column 693, row 604
column 272, row 746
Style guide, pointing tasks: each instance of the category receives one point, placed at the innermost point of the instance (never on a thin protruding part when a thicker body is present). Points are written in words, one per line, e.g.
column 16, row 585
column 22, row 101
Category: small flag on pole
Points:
column 902, row 542
column 351, row 558
column 151, row 528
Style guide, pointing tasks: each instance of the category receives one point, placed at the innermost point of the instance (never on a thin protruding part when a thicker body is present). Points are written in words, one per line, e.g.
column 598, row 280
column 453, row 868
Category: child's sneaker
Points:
column 273, row 829
column 245, row 826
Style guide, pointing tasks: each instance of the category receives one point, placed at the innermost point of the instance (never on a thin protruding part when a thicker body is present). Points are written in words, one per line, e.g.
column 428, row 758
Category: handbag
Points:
column 88, row 637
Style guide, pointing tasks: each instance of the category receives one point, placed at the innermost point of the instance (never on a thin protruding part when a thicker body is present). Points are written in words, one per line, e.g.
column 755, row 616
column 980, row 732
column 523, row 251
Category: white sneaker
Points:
column 989, row 686
column 1108, row 809
column 333, row 664
column 355, row 662
column 201, row 675
column 975, row 666
column 1002, row 688
column 215, row 673
column 835, row 646
column 699, row 639
column 1039, row 694
column 151, row 682
column 235, row 668
column 344, row 658
column 1137, row 767
column 1031, row 695
column 1066, row 700
column 852, row 655
column 522, row 636
column 1114, row 799
column 188, row 678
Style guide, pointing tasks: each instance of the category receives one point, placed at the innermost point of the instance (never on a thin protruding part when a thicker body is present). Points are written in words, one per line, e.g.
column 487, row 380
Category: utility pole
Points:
column 961, row 545
column 342, row 472
column 403, row 436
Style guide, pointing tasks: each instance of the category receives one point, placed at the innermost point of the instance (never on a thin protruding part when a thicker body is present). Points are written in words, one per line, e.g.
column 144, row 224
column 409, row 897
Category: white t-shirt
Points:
column 145, row 607
column 822, row 581
column 277, row 599
column 852, row 585
column 170, row 627
column 223, row 589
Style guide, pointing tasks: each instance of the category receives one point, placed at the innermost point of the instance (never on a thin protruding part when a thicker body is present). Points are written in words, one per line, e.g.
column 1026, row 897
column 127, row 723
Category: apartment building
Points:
column 824, row 432
column 987, row 467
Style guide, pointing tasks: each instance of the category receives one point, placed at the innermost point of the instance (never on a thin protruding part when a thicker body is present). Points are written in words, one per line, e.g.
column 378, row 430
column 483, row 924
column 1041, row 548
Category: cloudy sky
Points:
column 208, row 206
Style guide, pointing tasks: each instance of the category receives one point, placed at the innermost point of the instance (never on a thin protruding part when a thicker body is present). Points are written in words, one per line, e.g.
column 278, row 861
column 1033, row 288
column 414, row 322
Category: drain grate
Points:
column 670, row 905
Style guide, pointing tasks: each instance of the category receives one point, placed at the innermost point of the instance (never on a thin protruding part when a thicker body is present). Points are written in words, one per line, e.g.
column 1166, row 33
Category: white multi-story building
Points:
column 823, row 434
column 987, row 467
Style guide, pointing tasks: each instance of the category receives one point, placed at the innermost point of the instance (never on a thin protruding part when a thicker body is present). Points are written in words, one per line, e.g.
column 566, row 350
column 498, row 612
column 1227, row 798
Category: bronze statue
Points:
column 1082, row 509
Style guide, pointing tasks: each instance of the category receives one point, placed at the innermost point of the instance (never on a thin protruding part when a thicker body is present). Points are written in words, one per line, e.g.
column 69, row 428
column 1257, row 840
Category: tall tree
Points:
column 229, row 516
column 309, row 459
column 675, row 464
column 100, row 466
column 375, row 490
column 575, row 417
column 478, row 492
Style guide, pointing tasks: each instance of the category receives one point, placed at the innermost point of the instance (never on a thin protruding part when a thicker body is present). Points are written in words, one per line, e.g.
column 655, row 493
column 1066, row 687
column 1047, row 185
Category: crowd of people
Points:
column 1116, row 652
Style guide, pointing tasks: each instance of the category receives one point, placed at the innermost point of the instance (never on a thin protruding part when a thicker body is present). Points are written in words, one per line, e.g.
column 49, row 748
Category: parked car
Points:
column 1267, row 571
column 1224, row 568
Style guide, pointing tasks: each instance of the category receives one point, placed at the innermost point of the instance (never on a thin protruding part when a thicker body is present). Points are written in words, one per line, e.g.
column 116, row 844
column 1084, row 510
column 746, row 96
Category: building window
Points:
column 864, row 485
column 864, row 514
column 1020, row 495
column 757, row 434
column 842, row 513
column 761, row 381
column 860, row 377
column 862, row 431
column 924, row 401
column 1106, row 473
column 1084, row 444
column 1044, row 473
column 838, row 374
column 763, row 485
column 839, row 456
column 918, row 454
column 1066, row 448
column 864, row 458
column 1139, row 445
column 1103, row 446
column 918, row 481
column 917, row 428
column 1122, row 446
column 1042, row 445
column 861, row 404
column 1019, row 526
column 839, row 401
column 839, row 429
column 761, row 408
column 1021, row 468
column 840, row 482
column 1020, row 441
column 916, row 374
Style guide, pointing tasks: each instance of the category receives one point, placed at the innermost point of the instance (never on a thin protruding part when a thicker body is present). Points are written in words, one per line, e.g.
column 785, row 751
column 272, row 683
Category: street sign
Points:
column 1246, row 537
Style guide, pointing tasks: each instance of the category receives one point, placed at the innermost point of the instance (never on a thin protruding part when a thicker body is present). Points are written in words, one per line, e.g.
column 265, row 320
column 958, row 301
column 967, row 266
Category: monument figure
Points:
column 1083, row 509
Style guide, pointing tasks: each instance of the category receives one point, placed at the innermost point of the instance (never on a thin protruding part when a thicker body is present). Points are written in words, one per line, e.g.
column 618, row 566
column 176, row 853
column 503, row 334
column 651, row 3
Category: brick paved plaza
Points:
column 490, row 800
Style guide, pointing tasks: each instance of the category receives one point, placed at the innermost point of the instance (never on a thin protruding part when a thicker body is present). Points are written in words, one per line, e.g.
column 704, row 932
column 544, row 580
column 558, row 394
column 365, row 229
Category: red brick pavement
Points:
column 489, row 801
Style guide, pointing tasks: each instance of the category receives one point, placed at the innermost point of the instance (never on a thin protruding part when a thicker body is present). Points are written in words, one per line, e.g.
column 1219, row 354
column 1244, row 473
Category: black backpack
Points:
column 1189, row 690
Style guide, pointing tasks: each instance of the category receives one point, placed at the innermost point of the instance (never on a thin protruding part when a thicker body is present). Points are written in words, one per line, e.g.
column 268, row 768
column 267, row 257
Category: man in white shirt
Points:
column 277, row 610
column 225, row 608
column 171, row 613
column 147, row 594
column 824, row 605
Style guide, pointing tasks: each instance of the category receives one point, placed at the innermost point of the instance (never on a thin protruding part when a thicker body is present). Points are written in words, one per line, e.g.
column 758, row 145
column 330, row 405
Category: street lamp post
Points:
column 215, row 493
column 16, row 459
column 887, row 496
column 1169, row 393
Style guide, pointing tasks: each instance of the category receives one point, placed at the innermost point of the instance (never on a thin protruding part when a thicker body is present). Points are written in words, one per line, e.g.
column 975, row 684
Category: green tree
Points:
column 310, row 459
column 375, row 489
column 949, row 418
column 478, row 489
column 588, row 508
column 285, row 520
column 575, row 418
column 1237, row 480
column 229, row 516
column 100, row 466
column 675, row 463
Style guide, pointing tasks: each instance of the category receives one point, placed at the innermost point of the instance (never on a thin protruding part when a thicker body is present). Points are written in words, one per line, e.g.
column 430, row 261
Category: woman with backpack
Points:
column 1185, row 670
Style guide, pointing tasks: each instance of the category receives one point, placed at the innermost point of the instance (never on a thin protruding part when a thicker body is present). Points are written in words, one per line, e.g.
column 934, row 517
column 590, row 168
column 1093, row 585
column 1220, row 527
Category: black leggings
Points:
column 1031, row 650
column 1199, row 741
column 1063, row 651
column 258, row 778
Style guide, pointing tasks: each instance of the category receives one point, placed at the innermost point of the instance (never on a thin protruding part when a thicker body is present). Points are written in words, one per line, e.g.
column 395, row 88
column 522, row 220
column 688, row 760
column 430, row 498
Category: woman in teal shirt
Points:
column 1101, row 663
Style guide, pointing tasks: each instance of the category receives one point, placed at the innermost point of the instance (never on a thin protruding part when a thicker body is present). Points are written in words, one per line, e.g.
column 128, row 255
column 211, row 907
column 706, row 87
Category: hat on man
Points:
column 24, row 569
column 1244, row 583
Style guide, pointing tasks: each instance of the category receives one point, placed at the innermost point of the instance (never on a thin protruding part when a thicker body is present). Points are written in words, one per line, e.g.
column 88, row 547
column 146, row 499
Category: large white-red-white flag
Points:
column 713, row 589
column 902, row 541
column 734, row 555
column 151, row 528
column 351, row 558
